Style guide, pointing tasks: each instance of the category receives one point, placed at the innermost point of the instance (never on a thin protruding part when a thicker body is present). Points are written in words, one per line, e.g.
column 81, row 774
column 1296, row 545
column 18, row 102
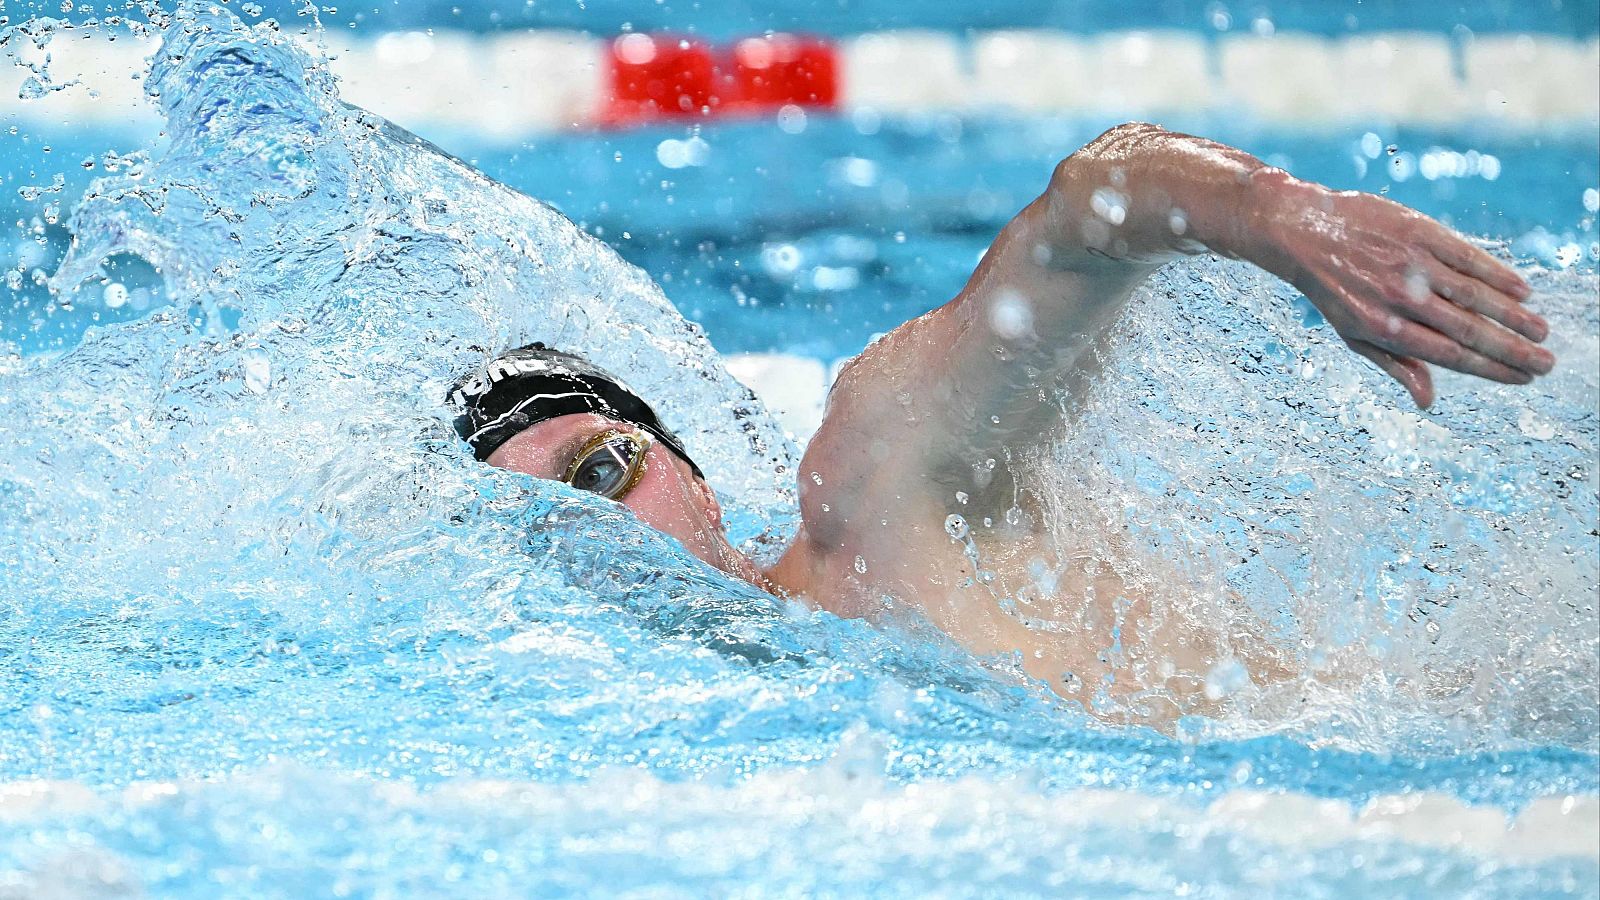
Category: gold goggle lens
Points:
column 609, row 464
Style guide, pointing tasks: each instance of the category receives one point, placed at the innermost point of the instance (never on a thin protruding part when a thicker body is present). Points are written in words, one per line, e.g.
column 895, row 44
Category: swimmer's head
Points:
column 558, row 416
column 523, row 387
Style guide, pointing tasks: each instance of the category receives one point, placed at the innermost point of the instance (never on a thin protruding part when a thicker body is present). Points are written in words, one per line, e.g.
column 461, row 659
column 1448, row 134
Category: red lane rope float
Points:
column 786, row 69
column 664, row 77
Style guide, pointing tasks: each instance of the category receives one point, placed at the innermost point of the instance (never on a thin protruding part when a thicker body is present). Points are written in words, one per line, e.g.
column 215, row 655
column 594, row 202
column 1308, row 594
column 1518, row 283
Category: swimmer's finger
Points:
column 1429, row 345
column 1412, row 374
column 1469, row 260
column 1471, row 293
column 1481, row 334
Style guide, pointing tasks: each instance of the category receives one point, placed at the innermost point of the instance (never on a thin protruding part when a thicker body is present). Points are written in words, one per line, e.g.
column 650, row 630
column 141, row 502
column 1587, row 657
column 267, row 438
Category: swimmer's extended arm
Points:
column 919, row 415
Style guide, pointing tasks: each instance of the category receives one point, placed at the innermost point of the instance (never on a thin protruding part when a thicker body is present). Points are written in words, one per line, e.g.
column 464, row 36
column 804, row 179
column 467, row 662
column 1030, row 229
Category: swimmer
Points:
column 908, row 419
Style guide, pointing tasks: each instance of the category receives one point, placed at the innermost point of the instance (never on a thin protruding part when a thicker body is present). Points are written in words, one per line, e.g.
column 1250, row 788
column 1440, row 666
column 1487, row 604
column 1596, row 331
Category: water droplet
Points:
column 955, row 526
column 32, row 88
column 791, row 119
column 676, row 154
column 1178, row 222
column 1011, row 316
column 1530, row 424
column 116, row 295
column 861, row 566
column 257, row 371
column 962, row 497
column 1110, row 205
column 1225, row 678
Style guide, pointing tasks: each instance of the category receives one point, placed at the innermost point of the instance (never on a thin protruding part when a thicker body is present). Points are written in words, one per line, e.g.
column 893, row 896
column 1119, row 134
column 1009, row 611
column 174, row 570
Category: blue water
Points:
column 244, row 560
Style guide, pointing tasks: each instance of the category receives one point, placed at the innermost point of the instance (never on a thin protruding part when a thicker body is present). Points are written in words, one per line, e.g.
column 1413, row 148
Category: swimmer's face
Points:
column 667, row 496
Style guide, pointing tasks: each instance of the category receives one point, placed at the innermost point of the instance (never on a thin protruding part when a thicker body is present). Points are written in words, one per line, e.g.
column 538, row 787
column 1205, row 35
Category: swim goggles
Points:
column 609, row 464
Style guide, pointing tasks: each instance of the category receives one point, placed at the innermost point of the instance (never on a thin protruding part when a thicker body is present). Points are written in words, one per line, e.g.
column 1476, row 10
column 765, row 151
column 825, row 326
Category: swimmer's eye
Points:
column 609, row 464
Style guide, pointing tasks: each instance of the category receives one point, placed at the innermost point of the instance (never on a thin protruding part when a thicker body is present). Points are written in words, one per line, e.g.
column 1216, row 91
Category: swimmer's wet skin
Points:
column 967, row 383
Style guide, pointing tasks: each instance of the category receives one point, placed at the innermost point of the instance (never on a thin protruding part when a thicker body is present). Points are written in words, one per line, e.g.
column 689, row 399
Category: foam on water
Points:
column 266, row 627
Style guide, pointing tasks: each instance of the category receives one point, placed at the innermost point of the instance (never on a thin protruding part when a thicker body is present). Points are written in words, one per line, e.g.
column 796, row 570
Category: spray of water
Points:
column 247, row 568
column 256, row 483
column 1431, row 577
column 261, row 466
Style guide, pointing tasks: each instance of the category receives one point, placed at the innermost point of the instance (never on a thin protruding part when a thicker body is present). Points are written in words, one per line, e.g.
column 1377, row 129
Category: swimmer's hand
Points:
column 1401, row 289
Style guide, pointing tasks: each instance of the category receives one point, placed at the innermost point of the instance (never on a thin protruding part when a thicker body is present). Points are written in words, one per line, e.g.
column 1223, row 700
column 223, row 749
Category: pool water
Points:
column 857, row 224
column 268, row 631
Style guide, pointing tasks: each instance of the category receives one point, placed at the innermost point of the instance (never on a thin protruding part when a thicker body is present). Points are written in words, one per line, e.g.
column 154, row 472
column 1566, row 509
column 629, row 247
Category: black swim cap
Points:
column 532, row 384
